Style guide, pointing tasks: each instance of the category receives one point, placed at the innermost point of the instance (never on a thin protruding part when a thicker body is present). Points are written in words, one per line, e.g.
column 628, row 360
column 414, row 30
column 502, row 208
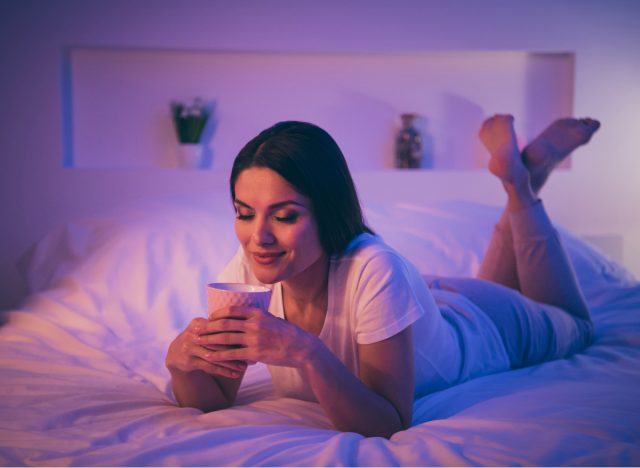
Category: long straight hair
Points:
column 309, row 159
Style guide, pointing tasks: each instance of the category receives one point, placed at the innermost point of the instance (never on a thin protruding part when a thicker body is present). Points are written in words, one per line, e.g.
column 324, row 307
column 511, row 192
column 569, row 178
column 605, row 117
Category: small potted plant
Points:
column 189, row 121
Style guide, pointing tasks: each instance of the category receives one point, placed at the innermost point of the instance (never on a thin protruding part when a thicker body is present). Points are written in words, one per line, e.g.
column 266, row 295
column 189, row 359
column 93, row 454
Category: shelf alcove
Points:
column 116, row 103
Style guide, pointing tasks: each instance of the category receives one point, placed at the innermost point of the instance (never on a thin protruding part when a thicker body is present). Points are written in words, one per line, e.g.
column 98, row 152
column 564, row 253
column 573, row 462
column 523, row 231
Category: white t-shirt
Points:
column 374, row 293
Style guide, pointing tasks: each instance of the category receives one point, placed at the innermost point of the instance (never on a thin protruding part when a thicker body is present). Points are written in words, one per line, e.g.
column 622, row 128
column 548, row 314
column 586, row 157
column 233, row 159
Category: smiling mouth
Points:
column 267, row 258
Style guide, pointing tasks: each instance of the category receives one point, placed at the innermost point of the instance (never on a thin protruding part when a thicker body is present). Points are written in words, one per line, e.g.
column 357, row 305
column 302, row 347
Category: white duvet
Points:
column 82, row 377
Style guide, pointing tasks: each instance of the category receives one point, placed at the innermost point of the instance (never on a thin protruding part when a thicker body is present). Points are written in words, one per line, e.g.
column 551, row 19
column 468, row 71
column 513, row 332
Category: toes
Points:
column 592, row 124
column 502, row 117
column 496, row 121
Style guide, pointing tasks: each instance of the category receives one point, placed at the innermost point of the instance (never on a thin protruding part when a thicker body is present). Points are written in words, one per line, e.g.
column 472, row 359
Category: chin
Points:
column 267, row 277
column 268, row 280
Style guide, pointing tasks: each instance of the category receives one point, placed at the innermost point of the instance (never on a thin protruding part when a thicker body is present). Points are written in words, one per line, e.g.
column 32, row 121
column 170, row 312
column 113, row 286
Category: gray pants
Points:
column 527, row 286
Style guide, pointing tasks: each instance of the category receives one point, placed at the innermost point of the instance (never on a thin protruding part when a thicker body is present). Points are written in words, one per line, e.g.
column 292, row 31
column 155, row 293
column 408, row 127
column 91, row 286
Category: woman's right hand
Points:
column 186, row 355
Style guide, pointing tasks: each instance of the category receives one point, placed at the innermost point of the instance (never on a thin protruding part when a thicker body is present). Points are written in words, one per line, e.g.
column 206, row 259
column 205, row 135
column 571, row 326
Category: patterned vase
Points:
column 408, row 143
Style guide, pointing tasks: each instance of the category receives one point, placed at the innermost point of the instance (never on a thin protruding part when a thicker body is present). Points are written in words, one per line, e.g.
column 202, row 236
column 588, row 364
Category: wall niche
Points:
column 117, row 115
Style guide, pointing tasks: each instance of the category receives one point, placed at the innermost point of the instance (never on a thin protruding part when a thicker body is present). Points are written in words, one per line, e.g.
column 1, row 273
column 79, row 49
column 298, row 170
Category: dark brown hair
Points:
column 309, row 159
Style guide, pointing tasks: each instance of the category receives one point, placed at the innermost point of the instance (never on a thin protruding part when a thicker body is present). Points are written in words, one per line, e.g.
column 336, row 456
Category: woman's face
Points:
column 275, row 226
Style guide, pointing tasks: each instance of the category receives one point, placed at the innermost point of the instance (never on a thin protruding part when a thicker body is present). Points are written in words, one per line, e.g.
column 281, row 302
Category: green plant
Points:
column 189, row 120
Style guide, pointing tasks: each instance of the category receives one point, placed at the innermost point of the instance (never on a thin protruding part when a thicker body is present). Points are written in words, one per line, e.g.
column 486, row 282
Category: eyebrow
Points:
column 274, row 206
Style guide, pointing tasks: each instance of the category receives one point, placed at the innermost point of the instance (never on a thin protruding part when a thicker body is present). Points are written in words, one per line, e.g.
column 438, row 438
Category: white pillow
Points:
column 449, row 239
column 152, row 261
column 442, row 239
column 149, row 260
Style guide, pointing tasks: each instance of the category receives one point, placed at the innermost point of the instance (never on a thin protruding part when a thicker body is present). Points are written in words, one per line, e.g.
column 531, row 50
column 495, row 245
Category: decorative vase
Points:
column 408, row 143
column 191, row 155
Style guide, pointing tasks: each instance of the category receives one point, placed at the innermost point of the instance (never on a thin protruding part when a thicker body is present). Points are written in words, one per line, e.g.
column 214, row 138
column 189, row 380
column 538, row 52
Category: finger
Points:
column 223, row 325
column 215, row 347
column 224, row 339
column 243, row 354
column 196, row 325
column 202, row 354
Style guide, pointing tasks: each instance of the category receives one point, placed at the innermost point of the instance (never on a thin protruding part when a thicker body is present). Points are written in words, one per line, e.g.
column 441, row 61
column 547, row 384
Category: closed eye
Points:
column 288, row 219
column 245, row 217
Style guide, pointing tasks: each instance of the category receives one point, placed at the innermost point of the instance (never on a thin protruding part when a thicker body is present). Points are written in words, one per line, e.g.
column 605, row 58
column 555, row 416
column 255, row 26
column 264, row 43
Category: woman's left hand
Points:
column 256, row 335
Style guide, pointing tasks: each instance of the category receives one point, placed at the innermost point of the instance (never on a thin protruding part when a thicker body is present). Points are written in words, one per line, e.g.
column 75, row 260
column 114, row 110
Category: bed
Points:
column 83, row 380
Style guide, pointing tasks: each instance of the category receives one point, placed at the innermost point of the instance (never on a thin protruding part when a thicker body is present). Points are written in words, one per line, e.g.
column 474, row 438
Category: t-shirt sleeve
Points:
column 386, row 300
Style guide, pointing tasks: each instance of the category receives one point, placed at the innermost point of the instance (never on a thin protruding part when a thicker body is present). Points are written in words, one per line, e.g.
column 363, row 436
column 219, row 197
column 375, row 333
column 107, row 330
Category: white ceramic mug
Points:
column 220, row 295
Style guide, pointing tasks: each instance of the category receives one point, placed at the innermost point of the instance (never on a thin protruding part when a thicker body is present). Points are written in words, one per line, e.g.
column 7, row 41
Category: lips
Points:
column 267, row 258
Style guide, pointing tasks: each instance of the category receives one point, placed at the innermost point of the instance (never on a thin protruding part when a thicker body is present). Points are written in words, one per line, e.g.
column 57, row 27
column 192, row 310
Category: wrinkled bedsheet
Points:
column 82, row 377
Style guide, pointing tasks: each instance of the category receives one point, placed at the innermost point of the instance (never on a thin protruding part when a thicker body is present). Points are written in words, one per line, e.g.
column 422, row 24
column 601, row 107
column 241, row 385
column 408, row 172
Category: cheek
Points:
column 242, row 232
column 308, row 239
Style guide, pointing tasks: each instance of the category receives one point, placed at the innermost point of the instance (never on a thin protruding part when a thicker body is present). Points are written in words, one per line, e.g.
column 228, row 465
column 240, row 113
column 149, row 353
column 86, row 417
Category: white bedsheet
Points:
column 82, row 362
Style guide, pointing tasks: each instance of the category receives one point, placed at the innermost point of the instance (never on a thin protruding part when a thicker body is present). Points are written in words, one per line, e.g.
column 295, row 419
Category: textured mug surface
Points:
column 220, row 295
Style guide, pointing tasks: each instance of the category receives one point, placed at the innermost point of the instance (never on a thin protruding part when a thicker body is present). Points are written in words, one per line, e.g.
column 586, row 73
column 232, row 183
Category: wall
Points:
column 598, row 196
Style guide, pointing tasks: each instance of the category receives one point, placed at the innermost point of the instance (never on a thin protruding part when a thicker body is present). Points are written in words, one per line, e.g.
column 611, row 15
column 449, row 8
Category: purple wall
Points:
column 37, row 193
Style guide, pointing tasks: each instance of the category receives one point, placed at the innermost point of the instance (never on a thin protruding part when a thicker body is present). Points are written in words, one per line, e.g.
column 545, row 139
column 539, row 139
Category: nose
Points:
column 262, row 234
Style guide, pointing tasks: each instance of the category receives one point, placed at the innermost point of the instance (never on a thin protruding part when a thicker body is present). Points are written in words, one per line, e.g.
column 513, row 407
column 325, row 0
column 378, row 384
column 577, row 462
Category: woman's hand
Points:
column 188, row 352
column 251, row 334
column 378, row 403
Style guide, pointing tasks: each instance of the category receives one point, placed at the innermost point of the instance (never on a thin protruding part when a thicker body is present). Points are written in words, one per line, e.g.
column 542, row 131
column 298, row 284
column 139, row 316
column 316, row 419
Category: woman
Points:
column 351, row 323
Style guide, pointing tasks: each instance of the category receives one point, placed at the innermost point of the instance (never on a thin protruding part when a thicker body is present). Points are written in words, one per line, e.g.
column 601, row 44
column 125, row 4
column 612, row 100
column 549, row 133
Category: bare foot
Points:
column 499, row 138
column 506, row 163
column 553, row 145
